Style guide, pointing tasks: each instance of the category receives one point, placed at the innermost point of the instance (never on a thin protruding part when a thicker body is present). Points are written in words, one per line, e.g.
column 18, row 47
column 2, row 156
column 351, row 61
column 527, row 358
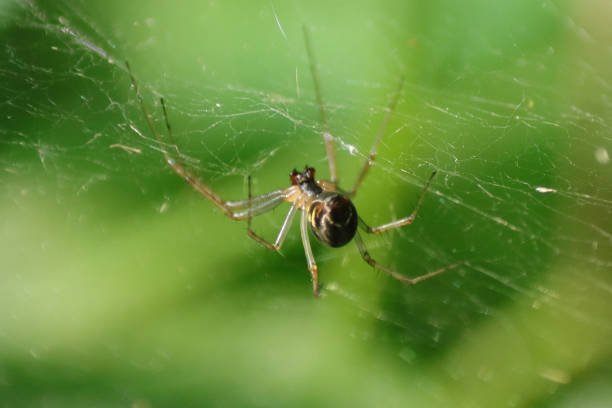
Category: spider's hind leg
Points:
column 365, row 255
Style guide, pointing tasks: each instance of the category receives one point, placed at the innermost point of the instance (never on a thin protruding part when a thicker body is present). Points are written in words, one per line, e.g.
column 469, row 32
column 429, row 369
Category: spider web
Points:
column 114, row 272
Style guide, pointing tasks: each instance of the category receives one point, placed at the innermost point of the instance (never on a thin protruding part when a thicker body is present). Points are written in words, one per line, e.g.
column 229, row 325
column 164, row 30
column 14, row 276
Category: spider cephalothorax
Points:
column 305, row 181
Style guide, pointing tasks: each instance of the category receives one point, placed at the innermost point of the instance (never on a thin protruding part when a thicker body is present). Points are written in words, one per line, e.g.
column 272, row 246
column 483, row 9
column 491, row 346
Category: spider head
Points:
column 305, row 177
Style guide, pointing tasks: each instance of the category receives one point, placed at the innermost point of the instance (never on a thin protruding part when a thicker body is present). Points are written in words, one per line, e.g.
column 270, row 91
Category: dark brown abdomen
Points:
column 333, row 219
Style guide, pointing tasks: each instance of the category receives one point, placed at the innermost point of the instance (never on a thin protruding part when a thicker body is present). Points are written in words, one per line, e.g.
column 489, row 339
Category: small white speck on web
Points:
column 556, row 375
column 333, row 286
column 353, row 151
column 127, row 149
column 602, row 156
column 545, row 190
column 164, row 207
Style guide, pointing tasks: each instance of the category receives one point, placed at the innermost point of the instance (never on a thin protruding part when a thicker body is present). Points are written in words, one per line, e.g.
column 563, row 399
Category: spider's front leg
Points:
column 282, row 234
column 327, row 136
column 229, row 209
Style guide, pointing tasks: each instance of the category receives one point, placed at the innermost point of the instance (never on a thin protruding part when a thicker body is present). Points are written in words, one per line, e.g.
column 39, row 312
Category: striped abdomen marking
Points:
column 333, row 219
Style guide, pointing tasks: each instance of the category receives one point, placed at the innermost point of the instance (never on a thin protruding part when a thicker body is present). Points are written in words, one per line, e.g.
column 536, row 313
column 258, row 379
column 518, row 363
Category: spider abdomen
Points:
column 333, row 219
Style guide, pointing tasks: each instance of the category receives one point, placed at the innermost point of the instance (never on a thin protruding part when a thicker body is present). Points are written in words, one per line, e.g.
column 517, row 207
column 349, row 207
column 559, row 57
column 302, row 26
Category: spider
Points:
column 325, row 208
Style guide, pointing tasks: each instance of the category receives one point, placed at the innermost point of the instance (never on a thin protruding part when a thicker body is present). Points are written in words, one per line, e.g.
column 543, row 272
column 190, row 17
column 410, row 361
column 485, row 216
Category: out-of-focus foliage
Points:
column 121, row 286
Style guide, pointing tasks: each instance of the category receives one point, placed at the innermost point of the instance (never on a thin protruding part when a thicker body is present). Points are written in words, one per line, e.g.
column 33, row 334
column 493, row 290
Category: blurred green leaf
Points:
column 120, row 285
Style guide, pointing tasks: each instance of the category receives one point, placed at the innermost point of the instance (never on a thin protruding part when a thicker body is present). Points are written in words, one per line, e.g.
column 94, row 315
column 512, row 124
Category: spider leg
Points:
column 312, row 265
column 327, row 136
column 396, row 275
column 260, row 204
column 255, row 201
column 402, row 221
column 282, row 234
column 379, row 135
column 254, row 206
column 258, row 207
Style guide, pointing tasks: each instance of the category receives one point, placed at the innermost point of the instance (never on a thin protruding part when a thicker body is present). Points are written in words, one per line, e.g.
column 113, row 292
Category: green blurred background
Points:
column 120, row 286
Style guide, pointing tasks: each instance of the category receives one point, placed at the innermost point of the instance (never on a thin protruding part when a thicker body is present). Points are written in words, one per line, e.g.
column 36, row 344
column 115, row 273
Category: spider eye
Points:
column 293, row 177
column 309, row 172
